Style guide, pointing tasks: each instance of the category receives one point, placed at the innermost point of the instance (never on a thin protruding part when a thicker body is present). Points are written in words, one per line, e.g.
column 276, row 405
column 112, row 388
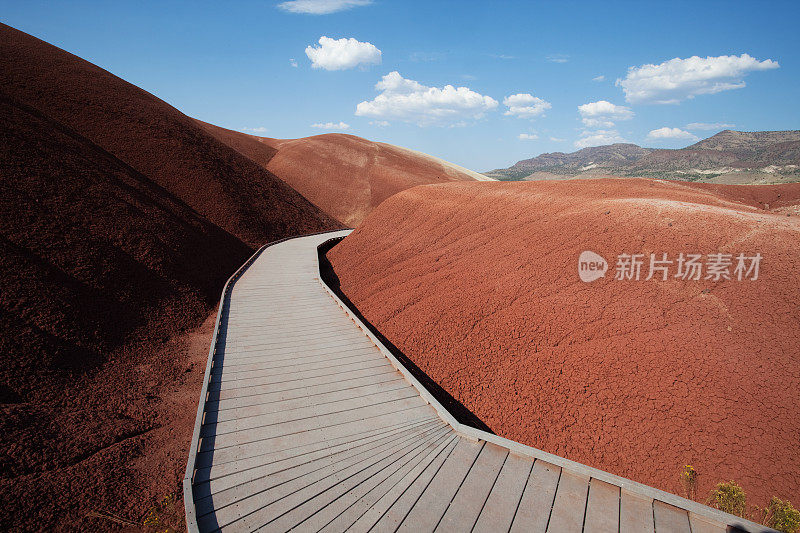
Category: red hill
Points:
column 478, row 285
column 344, row 175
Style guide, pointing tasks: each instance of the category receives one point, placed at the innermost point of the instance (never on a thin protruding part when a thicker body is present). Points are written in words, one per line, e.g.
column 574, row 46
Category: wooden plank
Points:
column 282, row 331
column 254, row 326
column 328, row 429
column 292, row 321
column 365, row 392
column 465, row 508
column 230, row 505
column 312, row 382
column 570, row 503
column 243, row 347
column 255, row 421
column 301, row 432
column 223, row 475
column 253, row 493
column 236, row 352
column 297, row 377
column 432, row 504
column 264, row 357
column 296, row 426
column 282, row 336
column 267, row 360
column 268, row 303
column 602, row 508
column 537, row 499
column 366, row 511
column 498, row 512
column 282, row 365
column 271, row 344
column 309, row 393
column 258, row 510
column 314, row 514
column 290, row 369
column 670, row 519
column 399, row 501
column 296, row 314
column 635, row 513
column 299, row 294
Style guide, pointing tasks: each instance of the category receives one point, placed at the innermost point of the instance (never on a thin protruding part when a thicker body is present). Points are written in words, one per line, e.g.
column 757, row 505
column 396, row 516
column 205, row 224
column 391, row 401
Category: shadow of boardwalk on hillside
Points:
column 456, row 408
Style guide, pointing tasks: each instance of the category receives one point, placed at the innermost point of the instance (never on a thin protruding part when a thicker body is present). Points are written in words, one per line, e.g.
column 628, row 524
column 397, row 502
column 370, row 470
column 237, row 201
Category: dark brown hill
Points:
column 155, row 139
column 120, row 220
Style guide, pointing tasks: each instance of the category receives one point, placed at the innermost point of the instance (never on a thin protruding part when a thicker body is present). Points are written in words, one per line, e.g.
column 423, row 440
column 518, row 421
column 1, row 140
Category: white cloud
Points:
column 603, row 114
column 678, row 79
column 527, row 136
column 331, row 126
column 670, row 133
column 524, row 105
column 410, row 101
column 321, row 7
column 603, row 108
column 704, row 126
column 599, row 138
column 556, row 139
column 293, row 63
column 380, row 123
column 258, row 129
column 341, row 54
column 558, row 58
column 599, row 78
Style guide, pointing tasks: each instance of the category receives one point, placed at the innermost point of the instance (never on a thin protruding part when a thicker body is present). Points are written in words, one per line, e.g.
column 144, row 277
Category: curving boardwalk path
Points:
column 308, row 423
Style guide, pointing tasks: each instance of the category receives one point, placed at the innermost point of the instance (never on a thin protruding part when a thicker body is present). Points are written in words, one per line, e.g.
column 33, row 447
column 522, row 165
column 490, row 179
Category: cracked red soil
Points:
column 478, row 285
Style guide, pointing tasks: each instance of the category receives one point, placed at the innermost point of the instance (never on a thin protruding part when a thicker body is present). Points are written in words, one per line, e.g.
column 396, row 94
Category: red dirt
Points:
column 477, row 283
column 344, row 175
column 347, row 176
column 120, row 220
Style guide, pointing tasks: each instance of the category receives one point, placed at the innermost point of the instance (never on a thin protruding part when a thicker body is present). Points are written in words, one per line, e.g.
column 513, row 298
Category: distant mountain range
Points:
column 727, row 157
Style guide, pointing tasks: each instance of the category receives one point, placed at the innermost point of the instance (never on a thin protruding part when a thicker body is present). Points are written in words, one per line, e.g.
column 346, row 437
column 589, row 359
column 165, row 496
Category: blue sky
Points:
column 229, row 63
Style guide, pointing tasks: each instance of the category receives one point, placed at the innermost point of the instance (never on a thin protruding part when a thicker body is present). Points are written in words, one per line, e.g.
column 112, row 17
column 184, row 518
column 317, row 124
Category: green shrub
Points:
column 782, row 516
column 730, row 498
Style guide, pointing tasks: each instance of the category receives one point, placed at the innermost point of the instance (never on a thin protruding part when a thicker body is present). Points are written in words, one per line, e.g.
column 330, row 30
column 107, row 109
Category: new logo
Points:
column 591, row 266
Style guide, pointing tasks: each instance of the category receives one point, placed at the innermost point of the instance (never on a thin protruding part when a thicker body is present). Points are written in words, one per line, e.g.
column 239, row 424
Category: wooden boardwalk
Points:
column 308, row 424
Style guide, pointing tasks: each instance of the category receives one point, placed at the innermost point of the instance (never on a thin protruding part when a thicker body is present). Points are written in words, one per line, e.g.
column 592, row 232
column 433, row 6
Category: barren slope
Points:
column 155, row 139
column 344, row 175
column 478, row 285
column 112, row 256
